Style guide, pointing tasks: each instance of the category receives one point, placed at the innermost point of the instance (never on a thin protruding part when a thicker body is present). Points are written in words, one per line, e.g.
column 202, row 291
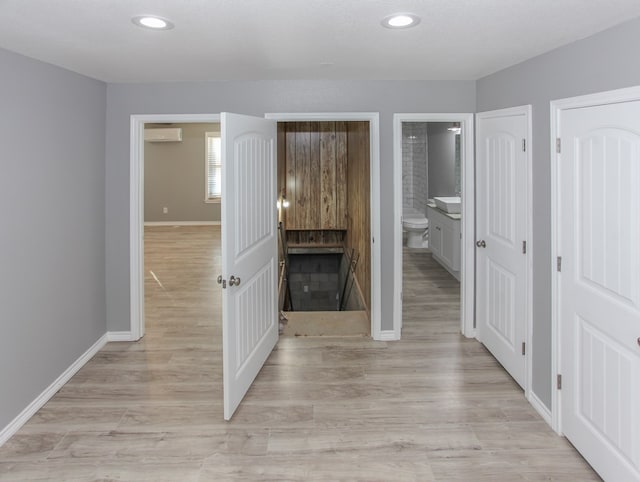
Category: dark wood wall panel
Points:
column 341, row 175
column 315, row 160
column 325, row 168
column 328, row 174
column 303, row 217
column 358, row 234
column 315, row 239
column 289, row 161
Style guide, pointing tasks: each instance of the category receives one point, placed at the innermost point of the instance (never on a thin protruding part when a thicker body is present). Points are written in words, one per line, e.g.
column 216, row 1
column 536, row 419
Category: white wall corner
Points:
column 540, row 407
column 120, row 336
column 7, row 432
column 386, row 335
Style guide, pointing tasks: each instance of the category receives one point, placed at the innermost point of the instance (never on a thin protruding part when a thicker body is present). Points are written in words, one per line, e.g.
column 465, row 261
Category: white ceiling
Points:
column 298, row 39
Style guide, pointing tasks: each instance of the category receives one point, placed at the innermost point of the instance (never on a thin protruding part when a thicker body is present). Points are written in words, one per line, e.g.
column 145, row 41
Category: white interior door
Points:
column 598, row 228
column 249, row 252
column 501, row 231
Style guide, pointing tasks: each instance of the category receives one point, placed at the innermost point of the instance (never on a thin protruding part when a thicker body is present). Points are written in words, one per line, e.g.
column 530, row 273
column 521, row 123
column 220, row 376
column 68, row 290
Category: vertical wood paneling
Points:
column 327, row 170
column 359, row 222
column 341, row 176
column 303, row 175
column 290, row 160
column 315, row 179
column 328, row 188
column 315, row 238
column 314, row 162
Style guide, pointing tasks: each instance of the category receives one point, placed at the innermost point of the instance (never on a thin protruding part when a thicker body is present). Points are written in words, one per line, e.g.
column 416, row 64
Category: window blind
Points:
column 214, row 168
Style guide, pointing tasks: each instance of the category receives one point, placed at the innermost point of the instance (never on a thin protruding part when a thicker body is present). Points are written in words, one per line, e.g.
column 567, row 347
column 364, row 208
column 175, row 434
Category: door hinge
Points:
column 559, row 263
column 524, row 145
column 559, row 382
column 524, row 247
column 558, row 145
column 524, row 348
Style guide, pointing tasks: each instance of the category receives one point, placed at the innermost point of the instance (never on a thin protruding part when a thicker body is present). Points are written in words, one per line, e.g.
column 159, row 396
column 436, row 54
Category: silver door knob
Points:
column 219, row 279
column 481, row 244
column 233, row 281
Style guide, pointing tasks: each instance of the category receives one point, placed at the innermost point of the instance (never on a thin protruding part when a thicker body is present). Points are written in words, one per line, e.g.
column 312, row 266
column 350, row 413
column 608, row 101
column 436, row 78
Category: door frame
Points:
column 467, row 261
column 136, row 212
column 629, row 94
column 525, row 110
column 377, row 333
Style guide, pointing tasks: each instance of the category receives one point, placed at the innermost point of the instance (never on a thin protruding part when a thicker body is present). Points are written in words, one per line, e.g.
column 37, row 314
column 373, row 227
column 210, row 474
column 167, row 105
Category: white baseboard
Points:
column 386, row 335
column 120, row 336
column 540, row 407
column 7, row 432
column 182, row 223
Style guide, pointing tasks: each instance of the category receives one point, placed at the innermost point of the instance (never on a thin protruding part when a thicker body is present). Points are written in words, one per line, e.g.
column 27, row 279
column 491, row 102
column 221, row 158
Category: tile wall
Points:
column 414, row 166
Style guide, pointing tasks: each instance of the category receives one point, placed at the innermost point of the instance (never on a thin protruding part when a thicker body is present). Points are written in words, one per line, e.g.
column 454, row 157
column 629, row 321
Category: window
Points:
column 214, row 167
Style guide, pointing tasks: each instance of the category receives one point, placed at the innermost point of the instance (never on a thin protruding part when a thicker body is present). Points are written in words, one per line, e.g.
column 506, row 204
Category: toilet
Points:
column 416, row 226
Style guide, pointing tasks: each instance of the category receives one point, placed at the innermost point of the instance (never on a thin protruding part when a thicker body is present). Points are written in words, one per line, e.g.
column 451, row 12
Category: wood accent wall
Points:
column 315, row 170
column 358, row 234
column 315, row 239
column 324, row 170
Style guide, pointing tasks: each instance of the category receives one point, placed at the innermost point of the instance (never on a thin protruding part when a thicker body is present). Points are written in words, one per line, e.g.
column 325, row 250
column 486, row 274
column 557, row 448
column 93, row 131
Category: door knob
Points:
column 481, row 244
column 233, row 281
column 638, row 341
column 219, row 279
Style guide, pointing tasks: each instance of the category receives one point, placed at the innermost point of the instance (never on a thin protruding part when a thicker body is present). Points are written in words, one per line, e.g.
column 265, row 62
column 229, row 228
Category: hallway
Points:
column 432, row 407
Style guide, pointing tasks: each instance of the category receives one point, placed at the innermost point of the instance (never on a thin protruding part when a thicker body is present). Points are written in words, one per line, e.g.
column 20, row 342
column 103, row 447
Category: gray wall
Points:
column 52, row 237
column 605, row 61
column 258, row 97
column 174, row 177
column 442, row 158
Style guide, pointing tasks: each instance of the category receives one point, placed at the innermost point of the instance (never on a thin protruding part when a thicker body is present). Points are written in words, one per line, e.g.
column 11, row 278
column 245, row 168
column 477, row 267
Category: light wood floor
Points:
column 432, row 407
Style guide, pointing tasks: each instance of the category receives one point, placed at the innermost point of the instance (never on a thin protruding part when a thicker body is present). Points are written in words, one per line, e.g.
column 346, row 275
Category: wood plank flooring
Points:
column 432, row 407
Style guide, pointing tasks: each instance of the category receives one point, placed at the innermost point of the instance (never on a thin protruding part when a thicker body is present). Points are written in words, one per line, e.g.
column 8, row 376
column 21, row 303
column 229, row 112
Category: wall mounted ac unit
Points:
column 166, row 134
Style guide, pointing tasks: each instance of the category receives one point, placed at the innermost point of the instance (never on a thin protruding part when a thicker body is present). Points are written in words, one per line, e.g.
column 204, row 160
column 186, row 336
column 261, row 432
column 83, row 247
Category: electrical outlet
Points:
column 306, row 288
column 165, row 210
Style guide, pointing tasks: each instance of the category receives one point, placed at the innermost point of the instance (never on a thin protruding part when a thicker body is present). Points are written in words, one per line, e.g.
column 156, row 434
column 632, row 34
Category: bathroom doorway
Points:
column 433, row 184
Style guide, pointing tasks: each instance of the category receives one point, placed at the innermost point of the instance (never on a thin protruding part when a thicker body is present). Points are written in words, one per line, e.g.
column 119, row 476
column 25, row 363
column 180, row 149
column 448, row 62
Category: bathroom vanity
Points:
column 444, row 238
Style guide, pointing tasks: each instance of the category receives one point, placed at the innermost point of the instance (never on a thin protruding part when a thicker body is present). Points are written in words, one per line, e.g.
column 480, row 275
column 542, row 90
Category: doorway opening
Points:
column 137, row 209
column 438, row 202
column 181, row 215
column 136, row 204
column 361, row 130
column 325, row 230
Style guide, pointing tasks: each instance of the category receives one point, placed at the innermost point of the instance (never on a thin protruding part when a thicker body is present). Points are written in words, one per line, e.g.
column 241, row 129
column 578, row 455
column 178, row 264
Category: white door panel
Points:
column 599, row 296
column 501, row 228
column 249, row 251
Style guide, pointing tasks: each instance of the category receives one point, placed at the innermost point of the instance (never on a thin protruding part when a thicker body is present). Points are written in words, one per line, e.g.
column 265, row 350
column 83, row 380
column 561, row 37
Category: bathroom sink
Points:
column 448, row 204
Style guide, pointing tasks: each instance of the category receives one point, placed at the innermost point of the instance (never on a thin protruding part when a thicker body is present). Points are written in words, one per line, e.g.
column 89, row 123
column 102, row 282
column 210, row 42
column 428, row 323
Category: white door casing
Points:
column 467, row 255
column 502, row 240
column 597, row 296
column 249, row 251
column 372, row 118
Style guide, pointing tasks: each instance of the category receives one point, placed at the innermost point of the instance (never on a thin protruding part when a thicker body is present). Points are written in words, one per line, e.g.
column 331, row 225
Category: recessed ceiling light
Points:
column 401, row 20
column 155, row 23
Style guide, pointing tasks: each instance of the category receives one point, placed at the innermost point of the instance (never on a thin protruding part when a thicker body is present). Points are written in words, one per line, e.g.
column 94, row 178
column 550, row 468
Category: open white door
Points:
column 249, row 252
column 501, row 234
column 598, row 297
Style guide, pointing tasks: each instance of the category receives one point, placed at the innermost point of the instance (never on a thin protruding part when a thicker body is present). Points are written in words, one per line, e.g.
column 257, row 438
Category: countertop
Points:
column 456, row 216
